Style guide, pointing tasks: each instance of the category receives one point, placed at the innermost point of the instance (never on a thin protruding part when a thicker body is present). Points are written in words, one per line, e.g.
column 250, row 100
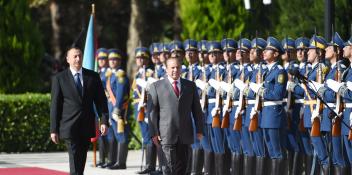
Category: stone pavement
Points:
column 59, row 161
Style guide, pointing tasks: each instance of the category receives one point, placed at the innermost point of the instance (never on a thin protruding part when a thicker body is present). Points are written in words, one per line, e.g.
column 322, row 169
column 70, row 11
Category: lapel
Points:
column 170, row 88
column 85, row 81
column 72, row 84
column 183, row 88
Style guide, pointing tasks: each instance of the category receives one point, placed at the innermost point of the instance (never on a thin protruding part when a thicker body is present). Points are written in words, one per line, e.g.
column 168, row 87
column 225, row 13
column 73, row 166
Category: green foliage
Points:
column 25, row 123
column 212, row 18
column 21, row 48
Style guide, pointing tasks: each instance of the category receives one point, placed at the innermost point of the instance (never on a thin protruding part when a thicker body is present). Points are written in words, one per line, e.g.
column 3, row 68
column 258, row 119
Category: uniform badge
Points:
column 108, row 73
column 281, row 78
column 325, row 70
column 120, row 74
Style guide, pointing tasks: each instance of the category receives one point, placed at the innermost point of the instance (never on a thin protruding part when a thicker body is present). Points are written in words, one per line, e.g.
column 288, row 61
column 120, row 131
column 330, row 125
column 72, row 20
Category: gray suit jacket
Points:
column 171, row 117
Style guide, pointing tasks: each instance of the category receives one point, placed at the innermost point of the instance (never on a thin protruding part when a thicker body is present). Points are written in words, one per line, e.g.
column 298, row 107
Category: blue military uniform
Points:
column 256, row 136
column 216, row 134
column 273, row 92
column 330, row 97
column 119, row 84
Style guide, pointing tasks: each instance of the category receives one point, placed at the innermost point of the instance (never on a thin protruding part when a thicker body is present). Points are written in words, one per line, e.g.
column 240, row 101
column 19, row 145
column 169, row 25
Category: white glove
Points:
column 334, row 85
column 290, row 86
column 239, row 84
column 314, row 85
column 252, row 113
column 215, row 84
column 213, row 112
column 115, row 117
column 141, row 82
column 315, row 114
column 349, row 85
column 237, row 113
column 225, row 86
column 201, row 84
column 255, row 87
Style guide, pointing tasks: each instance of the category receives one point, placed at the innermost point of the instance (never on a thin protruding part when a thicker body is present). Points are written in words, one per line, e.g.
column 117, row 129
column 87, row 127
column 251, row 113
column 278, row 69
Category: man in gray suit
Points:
column 173, row 103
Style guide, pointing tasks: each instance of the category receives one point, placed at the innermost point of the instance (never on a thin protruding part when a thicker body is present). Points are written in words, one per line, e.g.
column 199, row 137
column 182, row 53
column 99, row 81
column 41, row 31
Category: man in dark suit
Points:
column 173, row 103
column 74, row 93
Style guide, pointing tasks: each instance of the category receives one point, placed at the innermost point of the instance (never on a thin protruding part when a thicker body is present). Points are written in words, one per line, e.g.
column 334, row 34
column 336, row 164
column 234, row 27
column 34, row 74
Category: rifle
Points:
column 336, row 122
column 216, row 117
column 143, row 102
column 225, row 120
column 254, row 123
column 289, row 93
column 238, row 115
column 350, row 133
column 301, row 119
column 204, row 99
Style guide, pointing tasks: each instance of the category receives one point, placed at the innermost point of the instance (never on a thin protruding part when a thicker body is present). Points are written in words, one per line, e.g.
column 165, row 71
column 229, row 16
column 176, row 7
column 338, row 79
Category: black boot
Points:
column 288, row 163
column 325, row 169
column 260, row 165
column 209, row 163
column 112, row 153
column 297, row 163
column 220, row 164
column 308, row 164
column 236, row 164
column 248, row 165
column 340, row 170
column 276, row 166
column 197, row 161
column 121, row 157
column 150, row 160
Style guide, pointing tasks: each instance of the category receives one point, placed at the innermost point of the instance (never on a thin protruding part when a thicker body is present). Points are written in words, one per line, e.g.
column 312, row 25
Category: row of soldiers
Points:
column 259, row 99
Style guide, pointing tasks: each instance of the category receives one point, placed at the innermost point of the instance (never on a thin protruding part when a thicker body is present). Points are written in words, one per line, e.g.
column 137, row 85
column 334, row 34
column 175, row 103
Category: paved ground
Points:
column 59, row 161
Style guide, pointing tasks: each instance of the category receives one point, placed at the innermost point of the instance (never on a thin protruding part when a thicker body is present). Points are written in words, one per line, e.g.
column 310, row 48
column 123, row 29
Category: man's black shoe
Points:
column 117, row 166
column 146, row 171
column 107, row 165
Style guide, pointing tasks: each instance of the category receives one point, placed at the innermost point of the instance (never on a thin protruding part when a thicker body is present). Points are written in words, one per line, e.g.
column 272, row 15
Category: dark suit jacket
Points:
column 72, row 115
column 171, row 117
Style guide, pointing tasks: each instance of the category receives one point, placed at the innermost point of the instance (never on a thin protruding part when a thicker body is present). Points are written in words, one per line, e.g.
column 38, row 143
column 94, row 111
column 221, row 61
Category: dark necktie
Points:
column 78, row 83
column 176, row 90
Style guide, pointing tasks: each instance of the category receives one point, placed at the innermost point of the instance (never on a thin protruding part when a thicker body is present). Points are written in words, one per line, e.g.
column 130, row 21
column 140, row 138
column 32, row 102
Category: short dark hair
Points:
column 70, row 48
column 173, row 58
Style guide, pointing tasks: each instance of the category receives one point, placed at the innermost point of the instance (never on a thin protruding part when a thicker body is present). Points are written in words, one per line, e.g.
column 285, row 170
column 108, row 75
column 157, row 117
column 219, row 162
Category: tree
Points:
column 212, row 19
column 21, row 48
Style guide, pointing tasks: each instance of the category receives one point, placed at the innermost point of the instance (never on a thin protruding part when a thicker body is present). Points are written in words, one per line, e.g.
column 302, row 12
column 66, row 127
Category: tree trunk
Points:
column 177, row 27
column 135, row 33
column 55, row 16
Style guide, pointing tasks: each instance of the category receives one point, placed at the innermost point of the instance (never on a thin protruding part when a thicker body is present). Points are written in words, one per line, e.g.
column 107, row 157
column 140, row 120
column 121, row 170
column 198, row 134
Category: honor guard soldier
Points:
column 344, row 89
column 253, row 113
column 290, row 124
column 139, row 105
column 117, row 85
column 297, row 124
column 102, row 57
column 177, row 50
column 214, row 106
column 202, row 84
column 241, row 82
column 194, row 71
column 331, row 129
column 313, row 107
column 272, row 91
column 232, row 138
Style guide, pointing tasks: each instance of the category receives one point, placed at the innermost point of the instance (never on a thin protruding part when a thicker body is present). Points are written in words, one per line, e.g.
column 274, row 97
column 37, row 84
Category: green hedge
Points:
column 25, row 123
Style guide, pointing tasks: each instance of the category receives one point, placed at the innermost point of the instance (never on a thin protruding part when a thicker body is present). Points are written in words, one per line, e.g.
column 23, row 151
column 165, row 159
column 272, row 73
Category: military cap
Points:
column 114, row 54
column 141, row 52
column 244, row 44
column 102, row 53
column 176, row 46
column 317, row 42
column 302, row 43
column 154, row 48
column 214, row 46
column 258, row 43
column 273, row 44
column 164, row 47
column 228, row 44
column 336, row 41
column 202, row 46
column 190, row 45
column 348, row 42
column 288, row 43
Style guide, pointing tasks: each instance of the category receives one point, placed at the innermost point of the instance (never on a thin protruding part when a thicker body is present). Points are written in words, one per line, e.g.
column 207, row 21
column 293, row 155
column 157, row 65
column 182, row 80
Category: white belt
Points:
column 251, row 102
column 235, row 103
column 272, row 103
column 348, row 105
column 331, row 105
column 299, row 101
column 212, row 100
column 284, row 100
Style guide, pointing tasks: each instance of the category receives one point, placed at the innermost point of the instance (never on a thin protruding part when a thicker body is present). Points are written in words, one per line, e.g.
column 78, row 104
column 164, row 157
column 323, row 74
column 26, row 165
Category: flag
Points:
column 89, row 48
